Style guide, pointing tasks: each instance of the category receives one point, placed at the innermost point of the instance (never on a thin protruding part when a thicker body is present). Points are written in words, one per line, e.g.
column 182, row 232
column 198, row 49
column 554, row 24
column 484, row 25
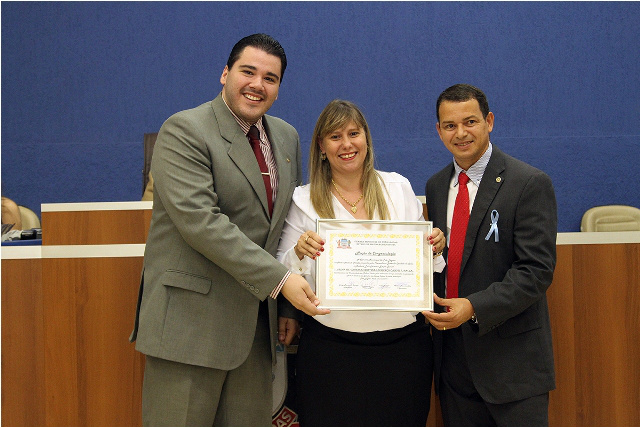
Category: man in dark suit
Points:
column 491, row 329
column 206, row 317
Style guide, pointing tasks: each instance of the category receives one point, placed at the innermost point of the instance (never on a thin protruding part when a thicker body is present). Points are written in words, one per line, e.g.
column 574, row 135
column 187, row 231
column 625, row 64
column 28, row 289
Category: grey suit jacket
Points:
column 509, row 352
column 205, row 269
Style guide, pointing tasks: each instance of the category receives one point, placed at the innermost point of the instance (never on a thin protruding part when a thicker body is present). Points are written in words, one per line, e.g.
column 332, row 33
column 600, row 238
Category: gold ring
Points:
column 444, row 328
column 306, row 238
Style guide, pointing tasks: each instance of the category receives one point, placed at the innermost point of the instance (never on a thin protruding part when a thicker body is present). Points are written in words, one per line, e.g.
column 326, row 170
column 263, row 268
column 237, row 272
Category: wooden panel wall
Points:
column 561, row 308
column 594, row 304
column 93, row 373
column 100, row 227
column 23, row 375
column 66, row 360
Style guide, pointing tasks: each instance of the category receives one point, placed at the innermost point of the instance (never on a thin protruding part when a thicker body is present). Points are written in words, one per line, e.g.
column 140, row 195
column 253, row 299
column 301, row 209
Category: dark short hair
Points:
column 259, row 41
column 463, row 92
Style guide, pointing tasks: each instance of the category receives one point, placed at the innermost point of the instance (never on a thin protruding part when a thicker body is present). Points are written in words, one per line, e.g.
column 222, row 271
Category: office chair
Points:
column 611, row 218
column 29, row 218
column 148, row 143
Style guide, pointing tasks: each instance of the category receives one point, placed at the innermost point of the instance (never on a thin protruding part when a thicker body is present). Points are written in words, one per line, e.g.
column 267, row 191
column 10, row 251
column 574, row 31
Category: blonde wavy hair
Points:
column 336, row 115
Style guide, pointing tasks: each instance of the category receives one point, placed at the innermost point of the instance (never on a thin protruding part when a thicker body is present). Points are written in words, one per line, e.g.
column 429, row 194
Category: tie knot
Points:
column 463, row 178
column 254, row 135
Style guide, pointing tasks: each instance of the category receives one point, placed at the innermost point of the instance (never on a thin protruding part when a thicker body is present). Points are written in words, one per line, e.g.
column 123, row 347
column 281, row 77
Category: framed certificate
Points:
column 375, row 265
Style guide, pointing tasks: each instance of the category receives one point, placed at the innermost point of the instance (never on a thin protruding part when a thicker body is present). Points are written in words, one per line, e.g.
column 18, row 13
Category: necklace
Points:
column 353, row 205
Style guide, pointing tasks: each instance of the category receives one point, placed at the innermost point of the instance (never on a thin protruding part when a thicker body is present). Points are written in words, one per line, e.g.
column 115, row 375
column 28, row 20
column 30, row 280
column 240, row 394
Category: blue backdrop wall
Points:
column 83, row 81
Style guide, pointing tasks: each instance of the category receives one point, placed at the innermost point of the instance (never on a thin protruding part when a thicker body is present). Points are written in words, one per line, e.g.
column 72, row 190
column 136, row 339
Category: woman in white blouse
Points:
column 355, row 368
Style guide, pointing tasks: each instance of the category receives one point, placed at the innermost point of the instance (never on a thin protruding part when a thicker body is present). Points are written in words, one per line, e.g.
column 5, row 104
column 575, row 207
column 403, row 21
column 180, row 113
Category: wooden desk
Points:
column 23, row 391
column 68, row 308
column 594, row 303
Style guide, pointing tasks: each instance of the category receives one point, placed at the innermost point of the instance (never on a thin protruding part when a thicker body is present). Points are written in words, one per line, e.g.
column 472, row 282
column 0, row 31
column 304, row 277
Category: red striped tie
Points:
column 254, row 140
column 458, row 233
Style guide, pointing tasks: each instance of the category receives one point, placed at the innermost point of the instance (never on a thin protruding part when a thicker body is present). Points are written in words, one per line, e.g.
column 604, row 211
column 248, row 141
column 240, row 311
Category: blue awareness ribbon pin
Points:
column 494, row 226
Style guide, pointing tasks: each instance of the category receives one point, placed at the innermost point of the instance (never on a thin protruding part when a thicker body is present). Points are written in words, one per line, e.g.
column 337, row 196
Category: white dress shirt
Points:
column 475, row 173
column 403, row 206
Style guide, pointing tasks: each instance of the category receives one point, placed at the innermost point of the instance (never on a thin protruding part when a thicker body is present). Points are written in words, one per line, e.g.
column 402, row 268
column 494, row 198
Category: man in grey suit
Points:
column 206, row 317
column 492, row 335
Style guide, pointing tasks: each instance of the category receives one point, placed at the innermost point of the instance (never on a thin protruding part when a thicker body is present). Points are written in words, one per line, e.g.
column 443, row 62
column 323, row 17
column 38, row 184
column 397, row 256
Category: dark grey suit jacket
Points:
column 205, row 269
column 509, row 352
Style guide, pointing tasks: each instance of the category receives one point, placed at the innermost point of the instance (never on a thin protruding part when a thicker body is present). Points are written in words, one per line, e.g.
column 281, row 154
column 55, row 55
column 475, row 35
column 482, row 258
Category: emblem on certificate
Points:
column 375, row 265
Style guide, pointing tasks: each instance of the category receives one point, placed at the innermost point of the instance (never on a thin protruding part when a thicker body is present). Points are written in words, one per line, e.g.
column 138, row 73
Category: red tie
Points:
column 254, row 140
column 458, row 233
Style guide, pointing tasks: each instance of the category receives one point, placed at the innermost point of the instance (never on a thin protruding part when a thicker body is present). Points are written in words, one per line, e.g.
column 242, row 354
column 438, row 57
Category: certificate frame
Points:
column 375, row 265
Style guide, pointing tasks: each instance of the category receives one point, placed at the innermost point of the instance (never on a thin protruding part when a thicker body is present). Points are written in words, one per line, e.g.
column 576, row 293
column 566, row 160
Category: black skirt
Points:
column 368, row 379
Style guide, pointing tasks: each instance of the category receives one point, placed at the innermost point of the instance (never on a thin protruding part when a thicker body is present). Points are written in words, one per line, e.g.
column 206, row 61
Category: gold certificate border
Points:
column 369, row 295
column 409, row 301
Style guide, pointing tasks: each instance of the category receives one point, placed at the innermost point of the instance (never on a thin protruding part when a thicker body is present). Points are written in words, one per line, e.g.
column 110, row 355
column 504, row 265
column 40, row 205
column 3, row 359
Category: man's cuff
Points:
column 276, row 291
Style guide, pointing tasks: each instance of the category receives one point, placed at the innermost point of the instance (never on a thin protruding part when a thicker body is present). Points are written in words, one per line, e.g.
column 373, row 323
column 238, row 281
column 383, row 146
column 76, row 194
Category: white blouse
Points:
column 403, row 206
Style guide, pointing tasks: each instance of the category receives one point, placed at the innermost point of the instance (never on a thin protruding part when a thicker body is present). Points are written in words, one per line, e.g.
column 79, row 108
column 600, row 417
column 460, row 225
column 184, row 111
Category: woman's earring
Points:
column 323, row 156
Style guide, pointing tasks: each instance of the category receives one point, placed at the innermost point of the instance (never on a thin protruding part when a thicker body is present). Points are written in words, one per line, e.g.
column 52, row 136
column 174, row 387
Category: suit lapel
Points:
column 240, row 150
column 439, row 215
column 283, row 163
column 492, row 180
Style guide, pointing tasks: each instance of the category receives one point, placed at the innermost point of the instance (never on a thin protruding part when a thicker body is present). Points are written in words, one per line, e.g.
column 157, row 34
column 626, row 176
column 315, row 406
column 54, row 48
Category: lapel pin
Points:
column 498, row 179
column 288, row 161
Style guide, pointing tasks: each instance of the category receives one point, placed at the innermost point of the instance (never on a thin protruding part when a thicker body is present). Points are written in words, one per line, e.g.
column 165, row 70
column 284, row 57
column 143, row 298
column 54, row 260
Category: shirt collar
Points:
column 245, row 126
column 476, row 170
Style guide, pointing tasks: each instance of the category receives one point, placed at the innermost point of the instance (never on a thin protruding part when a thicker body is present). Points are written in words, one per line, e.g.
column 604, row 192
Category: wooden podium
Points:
column 68, row 308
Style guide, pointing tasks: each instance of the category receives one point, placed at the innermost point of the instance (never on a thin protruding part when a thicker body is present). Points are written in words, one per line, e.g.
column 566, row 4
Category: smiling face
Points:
column 464, row 131
column 251, row 85
column 346, row 149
